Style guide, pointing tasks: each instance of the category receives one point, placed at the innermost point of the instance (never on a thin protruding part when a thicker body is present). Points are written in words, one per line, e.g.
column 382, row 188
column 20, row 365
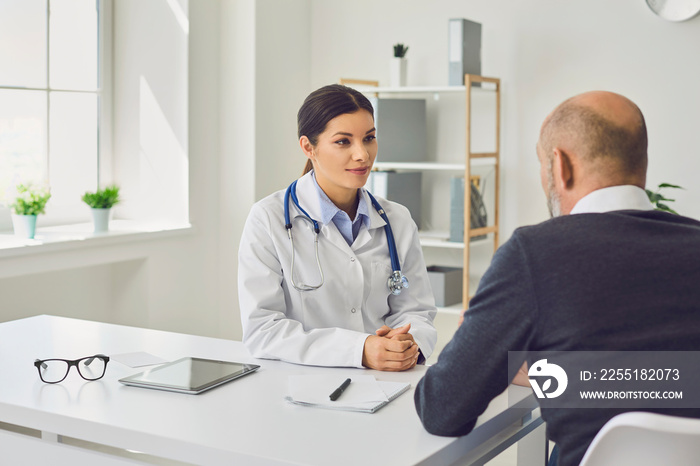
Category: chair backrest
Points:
column 641, row 438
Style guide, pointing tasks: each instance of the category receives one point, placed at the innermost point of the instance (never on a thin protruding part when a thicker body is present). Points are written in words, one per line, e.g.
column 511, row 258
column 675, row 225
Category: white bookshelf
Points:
column 440, row 239
column 433, row 166
column 485, row 87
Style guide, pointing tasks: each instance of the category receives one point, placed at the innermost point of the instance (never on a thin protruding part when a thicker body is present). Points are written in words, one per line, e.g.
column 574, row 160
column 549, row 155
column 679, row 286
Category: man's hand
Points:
column 522, row 378
column 461, row 317
column 390, row 349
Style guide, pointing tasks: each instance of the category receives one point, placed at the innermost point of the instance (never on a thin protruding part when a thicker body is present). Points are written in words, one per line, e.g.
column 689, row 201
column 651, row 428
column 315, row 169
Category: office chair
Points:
column 640, row 438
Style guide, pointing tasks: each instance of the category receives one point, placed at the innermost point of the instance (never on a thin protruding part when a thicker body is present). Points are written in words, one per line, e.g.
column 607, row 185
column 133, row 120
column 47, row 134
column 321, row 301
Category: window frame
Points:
column 104, row 93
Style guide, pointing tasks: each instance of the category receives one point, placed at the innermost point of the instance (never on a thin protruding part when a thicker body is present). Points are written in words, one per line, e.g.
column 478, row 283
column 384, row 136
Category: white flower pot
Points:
column 100, row 219
column 24, row 225
column 397, row 76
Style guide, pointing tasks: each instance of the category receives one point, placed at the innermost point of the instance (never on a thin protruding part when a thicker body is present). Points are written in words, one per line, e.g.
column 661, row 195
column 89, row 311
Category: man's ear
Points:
column 306, row 147
column 562, row 169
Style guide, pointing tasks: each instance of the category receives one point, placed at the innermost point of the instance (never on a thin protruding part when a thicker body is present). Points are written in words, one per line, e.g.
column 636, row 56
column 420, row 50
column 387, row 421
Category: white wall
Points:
column 264, row 76
column 248, row 71
column 544, row 51
column 171, row 283
column 282, row 81
column 236, row 133
column 251, row 62
column 150, row 138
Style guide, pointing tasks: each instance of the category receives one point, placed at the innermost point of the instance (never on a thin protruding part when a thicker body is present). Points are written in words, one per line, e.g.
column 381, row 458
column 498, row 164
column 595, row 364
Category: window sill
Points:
column 78, row 236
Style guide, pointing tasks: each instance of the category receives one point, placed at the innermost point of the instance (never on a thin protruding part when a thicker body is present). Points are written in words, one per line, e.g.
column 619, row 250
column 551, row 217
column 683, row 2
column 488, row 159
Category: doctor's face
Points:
column 344, row 153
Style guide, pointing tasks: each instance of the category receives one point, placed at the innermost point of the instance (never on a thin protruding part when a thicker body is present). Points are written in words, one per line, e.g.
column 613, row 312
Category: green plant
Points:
column 658, row 199
column 102, row 198
column 400, row 50
column 30, row 200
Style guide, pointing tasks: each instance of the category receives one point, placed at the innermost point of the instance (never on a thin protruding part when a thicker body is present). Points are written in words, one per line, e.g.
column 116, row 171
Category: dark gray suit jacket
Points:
column 619, row 281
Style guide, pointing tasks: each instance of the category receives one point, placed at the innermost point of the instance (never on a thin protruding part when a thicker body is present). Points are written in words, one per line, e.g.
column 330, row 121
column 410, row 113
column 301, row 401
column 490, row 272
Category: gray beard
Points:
column 554, row 205
column 553, row 199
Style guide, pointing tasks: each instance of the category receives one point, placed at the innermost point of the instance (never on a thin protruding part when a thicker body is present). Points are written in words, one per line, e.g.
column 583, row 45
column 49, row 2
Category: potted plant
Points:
column 101, row 202
column 398, row 66
column 29, row 203
column 658, row 199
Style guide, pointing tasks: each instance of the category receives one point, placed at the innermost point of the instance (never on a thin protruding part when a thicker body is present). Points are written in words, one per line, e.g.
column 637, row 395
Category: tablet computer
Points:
column 190, row 375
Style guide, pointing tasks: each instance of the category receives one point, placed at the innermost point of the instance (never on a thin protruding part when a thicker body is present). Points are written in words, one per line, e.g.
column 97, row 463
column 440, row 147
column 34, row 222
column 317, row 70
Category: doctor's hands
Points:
column 390, row 349
column 388, row 332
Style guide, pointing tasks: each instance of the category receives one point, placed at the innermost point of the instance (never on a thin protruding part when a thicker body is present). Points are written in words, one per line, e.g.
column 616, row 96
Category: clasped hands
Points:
column 390, row 349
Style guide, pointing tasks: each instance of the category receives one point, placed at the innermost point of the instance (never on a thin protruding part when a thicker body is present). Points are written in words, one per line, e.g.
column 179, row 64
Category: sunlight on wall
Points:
column 180, row 15
column 163, row 164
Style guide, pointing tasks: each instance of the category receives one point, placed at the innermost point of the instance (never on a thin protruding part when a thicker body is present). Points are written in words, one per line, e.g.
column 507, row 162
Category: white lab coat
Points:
column 328, row 326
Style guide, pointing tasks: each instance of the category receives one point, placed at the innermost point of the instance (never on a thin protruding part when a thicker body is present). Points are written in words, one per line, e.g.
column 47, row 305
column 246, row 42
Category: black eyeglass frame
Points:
column 70, row 363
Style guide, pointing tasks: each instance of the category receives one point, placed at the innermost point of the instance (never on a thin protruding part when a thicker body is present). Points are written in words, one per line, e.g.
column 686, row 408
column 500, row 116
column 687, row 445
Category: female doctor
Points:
column 315, row 289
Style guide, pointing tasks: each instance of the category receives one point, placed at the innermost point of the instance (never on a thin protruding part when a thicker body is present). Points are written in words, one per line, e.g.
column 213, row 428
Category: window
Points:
column 50, row 98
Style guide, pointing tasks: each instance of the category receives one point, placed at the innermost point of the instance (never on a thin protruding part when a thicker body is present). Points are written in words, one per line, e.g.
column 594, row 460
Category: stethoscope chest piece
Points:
column 397, row 282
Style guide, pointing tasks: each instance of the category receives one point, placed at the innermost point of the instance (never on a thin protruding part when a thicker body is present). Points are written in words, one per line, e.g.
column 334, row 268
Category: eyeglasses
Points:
column 56, row 370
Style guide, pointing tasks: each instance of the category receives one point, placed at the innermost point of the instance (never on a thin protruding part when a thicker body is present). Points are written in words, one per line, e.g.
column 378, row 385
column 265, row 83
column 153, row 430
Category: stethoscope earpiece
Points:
column 397, row 280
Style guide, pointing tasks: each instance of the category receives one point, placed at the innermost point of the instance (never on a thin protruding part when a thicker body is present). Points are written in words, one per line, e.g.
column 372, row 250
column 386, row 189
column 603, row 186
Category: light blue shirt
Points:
column 331, row 213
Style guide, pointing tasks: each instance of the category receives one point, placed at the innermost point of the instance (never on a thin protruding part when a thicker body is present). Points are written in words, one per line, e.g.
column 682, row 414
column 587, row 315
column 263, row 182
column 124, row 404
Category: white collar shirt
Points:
column 626, row 197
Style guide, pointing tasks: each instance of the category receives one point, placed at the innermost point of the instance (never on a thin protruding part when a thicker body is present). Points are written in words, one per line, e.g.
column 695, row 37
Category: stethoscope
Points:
column 397, row 281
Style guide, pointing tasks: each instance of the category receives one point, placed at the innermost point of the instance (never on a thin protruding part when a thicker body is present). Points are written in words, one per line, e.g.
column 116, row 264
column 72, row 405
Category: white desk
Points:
column 246, row 421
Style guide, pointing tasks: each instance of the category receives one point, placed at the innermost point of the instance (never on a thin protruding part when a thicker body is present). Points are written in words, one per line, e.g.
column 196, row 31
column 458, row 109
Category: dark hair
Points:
column 324, row 104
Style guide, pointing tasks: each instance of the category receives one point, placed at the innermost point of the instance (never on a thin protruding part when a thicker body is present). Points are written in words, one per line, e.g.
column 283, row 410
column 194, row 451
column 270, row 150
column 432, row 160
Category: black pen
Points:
column 339, row 391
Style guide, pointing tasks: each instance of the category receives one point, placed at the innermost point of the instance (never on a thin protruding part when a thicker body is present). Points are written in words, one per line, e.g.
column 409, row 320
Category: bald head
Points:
column 605, row 132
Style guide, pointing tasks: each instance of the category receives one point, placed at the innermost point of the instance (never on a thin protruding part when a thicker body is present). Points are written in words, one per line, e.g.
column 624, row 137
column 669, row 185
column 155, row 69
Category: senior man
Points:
column 607, row 272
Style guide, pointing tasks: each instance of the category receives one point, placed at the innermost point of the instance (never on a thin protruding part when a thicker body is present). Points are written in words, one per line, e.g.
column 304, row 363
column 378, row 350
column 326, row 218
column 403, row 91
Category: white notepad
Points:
column 365, row 394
